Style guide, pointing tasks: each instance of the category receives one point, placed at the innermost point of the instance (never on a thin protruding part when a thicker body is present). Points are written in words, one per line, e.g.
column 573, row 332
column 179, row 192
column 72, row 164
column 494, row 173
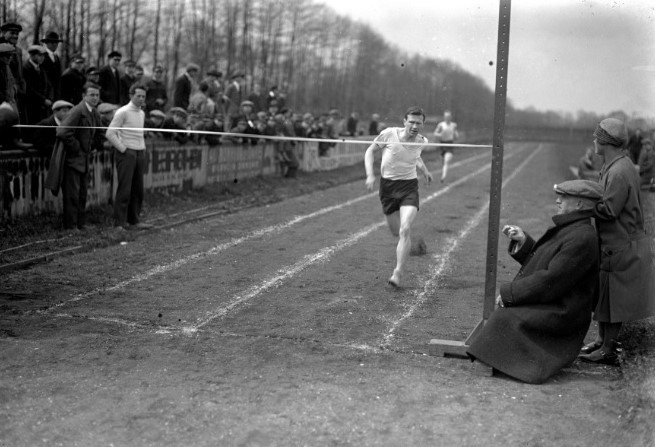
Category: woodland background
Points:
column 321, row 59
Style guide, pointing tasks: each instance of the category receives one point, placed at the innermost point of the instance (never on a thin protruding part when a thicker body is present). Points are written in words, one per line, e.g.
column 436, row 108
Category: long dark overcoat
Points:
column 547, row 306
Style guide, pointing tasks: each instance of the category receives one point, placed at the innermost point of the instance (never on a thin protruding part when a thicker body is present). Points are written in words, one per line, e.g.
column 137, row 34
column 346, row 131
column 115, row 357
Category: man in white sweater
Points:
column 125, row 133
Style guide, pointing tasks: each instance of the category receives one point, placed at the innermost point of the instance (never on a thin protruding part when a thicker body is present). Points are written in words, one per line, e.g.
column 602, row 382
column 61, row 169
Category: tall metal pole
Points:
column 452, row 347
column 497, row 158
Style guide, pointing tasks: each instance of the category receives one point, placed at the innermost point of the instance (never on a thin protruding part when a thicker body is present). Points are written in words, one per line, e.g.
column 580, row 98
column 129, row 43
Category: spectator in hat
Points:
column 110, row 79
column 92, row 75
column 213, row 80
column 9, row 136
column 233, row 96
column 52, row 64
column 627, row 283
column 184, row 86
column 80, row 137
column 38, row 93
column 543, row 314
column 106, row 112
column 176, row 119
column 202, row 115
column 44, row 137
column 138, row 74
column 258, row 100
column 10, row 33
column 72, row 80
column 154, row 120
column 127, row 79
column 156, row 97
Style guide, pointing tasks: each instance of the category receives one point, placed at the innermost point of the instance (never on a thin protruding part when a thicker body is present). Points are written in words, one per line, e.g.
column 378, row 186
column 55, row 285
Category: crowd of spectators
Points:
column 36, row 89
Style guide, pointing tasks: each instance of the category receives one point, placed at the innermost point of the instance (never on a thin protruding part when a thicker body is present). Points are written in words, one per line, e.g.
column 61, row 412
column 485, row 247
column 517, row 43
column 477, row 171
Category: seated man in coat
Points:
column 543, row 315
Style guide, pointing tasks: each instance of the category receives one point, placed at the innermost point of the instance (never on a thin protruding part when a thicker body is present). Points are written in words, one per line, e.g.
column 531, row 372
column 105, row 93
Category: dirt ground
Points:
column 264, row 319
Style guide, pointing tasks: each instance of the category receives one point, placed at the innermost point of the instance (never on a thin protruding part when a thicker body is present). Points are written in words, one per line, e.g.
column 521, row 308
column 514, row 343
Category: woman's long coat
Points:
column 547, row 306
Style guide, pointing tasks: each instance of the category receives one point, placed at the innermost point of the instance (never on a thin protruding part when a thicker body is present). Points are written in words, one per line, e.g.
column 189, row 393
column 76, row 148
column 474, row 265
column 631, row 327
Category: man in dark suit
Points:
column 184, row 86
column 38, row 99
column 73, row 80
column 110, row 79
column 52, row 64
column 127, row 79
column 156, row 97
column 79, row 137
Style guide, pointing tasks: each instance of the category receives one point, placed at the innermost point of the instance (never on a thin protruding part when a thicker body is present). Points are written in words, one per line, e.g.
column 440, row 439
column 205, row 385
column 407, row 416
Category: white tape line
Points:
column 431, row 286
column 319, row 256
column 252, row 136
column 234, row 242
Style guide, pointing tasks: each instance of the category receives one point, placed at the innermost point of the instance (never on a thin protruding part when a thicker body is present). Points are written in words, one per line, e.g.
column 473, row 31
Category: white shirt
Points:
column 398, row 161
column 128, row 133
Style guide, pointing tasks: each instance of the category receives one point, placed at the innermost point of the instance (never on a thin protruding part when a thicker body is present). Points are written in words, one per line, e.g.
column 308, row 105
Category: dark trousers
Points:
column 74, row 192
column 130, row 166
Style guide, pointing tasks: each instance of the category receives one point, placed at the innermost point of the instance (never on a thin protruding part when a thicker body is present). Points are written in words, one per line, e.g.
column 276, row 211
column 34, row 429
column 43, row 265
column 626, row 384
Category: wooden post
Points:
column 458, row 348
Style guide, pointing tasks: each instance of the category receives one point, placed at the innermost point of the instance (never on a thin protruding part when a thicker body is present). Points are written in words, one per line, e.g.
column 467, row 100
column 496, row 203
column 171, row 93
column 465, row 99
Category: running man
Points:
column 399, row 181
column 446, row 132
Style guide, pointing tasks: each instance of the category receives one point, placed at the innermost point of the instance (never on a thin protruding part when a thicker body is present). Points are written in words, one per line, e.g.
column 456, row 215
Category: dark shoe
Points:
column 602, row 357
column 591, row 347
column 395, row 279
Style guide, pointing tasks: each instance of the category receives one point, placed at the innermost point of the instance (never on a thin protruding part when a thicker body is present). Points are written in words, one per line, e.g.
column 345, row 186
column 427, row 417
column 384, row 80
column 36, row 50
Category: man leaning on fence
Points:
column 125, row 133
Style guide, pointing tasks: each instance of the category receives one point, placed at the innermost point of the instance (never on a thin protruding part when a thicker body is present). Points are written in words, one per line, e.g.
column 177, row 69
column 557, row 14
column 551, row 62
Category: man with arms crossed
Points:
column 398, row 180
column 125, row 133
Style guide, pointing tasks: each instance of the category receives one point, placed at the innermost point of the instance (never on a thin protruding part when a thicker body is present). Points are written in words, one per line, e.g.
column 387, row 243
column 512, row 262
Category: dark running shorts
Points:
column 446, row 149
column 397, row 193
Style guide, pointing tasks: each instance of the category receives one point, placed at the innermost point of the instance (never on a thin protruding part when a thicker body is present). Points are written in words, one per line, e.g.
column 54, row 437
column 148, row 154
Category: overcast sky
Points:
column 565, row 55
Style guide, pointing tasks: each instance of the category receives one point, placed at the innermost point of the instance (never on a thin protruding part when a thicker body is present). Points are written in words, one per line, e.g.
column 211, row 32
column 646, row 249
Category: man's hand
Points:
column 370, row 182
column 427, row 176
column 515, row 233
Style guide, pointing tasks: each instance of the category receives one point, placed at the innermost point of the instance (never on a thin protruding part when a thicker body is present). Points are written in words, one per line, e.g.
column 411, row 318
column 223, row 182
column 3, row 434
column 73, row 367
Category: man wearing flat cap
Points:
column 38, row 92
column 72, row 80
column 156, row 96
column 110, row 79
column 544, row 314
column 44, row 136
column 627, row 282
column 184, row 85
column 10, row 32
column 233, row 96
column 52, row 64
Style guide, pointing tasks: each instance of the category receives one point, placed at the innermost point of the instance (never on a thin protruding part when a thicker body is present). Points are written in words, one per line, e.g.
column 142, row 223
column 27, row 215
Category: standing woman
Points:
column 627, row 289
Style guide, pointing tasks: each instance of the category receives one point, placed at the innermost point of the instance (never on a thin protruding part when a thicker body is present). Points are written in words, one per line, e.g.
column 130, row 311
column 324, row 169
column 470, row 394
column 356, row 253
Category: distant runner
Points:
column 446, row 132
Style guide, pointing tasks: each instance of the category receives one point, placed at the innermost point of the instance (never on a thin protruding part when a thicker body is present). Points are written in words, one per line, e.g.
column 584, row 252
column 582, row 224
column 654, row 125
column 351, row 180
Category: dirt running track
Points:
column 274, row 326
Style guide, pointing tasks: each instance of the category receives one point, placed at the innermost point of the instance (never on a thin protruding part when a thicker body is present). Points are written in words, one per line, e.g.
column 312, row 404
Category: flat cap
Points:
column 7, row 48
column 247, row 103
column 91, row 71
column 61, row 104
column 216, row 73
column 11, row 26
column 129, row 63
column 112, row 54
column 77, row 58
column 179, row 111
column 106, row 107
column 238, row 74
column 36, row 49
column 158, row 113
column 192, row 67
column 587, row 189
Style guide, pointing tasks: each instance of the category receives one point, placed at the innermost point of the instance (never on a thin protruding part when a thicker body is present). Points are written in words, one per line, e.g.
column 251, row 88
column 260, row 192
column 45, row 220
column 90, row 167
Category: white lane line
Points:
column 320, row 256
column 442, row 260
column 157, row 270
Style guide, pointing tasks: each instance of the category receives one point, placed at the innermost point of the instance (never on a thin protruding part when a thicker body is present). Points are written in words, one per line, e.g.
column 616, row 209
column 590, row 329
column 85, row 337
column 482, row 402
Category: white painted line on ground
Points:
column 442, row 259
column 157, row 270
column 320, row 256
